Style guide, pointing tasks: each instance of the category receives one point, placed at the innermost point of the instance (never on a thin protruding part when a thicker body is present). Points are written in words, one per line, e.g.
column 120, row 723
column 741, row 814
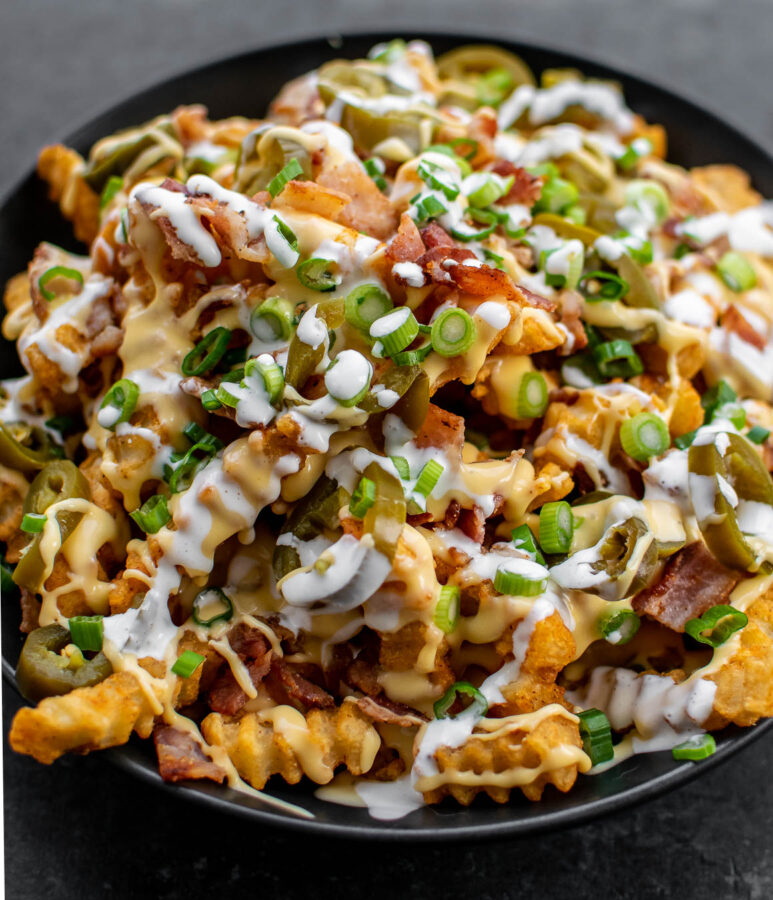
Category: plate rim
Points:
column 554, row 819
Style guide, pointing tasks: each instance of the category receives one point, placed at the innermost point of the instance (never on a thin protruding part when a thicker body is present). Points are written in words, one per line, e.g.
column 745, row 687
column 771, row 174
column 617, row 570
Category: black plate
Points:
column 244, row 85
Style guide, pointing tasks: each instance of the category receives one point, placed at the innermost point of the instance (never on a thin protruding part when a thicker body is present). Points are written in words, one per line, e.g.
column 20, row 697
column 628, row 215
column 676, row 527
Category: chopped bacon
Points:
column 693, row 581
column 406, row 245
column 525, row 189
column 433, row 262
column 251, row 646
column 30, row 611
column 417, row 519
column 473, row 523
column 441, row 429
column 537, row 300
column 382, row 709
column 735, row 321
column 363, row 675
column 434, row 235
column 453, row 511
column 286, row 684
column 181, row 757
column 485, row 281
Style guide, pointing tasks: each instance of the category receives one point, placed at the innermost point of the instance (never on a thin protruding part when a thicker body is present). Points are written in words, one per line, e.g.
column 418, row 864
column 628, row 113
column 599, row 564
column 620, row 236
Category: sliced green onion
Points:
column 375, row 168
column 464, row 232
column 57, row 272
column 736, row 272
column 571, row 276
column 272, row 320
column 412, row 357
column 429, row 207
column 576, row 214
column 716, row 625
column 181, row 475
column 716, row 396
column 619, row 627
column 65, row 424
column 209, row 400
column 682, row 250
column 493, row 86
column 635, row 151
column 596, row 735
column 471, row 145
column 233, row 357
column 207, row 353
column 494, row 258
column 119, row 403
column 532, row 400
column 603, row 286
column 617, row 359
column 644, row 193
column 685, row 440
column 292, row 170
column 733, row 412
column 438, row 178
column 557, row 194
column 271, row 373
column 638, row 249
column 212, row 605
column 523, row 539
column 644, row 436
column 347, row 378
column 225, row 397
column 453, row 332
column 153, row 514
column 401, row 464
column 428, row 477
column 363, row 498
column 7, row 584
column 282, row 242
column 33, row 523
column 113, row 184
column 580, row 371
column 394, row 331
column 198, row 435
column 187, row 663
column 517, row 585
column 484, row 188
column 556, row 527
column 695, row 748
column 478, row 707
column 447, row 610
column 758, row 434
column 86, row 632
column 317, row 275
column 365, row 304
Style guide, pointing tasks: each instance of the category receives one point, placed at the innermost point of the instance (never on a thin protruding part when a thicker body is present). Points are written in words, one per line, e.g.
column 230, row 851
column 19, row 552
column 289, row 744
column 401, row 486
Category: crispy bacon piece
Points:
column 382, row 709
column 251, row 646
column 434, row 264
column 30, row 611
column 441, row 429
column 735, row 321
column 435, row 235
column 283, row 680
column 693, row 581
column 180, row 756
column 571, row 319
column 363, row 675
column 526, row 188
column 406, row 245
column 473, row 523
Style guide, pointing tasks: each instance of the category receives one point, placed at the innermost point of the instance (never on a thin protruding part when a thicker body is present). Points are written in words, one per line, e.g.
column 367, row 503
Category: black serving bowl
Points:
column 244, row 85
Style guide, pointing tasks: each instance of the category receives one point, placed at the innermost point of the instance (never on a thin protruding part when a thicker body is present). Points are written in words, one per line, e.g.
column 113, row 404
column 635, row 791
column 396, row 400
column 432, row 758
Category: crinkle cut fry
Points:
column 86, row 719
column 260, row 749
column 60, row 167
column 526, row 754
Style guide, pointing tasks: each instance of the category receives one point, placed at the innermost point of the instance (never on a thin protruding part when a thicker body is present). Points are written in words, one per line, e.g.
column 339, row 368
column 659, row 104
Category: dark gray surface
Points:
column 83, row 828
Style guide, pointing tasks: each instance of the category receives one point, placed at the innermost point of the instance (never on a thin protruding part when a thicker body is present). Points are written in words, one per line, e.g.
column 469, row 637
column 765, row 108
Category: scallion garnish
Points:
column 62, row 424
column 394, row 331
column 453, row 332
column 401, row 464
column 363, row 498
column 695, row 748
column 532, row 398
column 556, row 527
column 209, row 400
column 212, row 605
column 375, row 168
column 617, row 359
column 118, row 404
column 272, row 320
column 86, row 632
column 429, row 207
column 198, row 435
column 603, row 286
column 282, row 242
column 187, row 663
column 685, row 440
column 33, row 523
column 718, row 395
column 619, row 627
column 317, row 274
column 716, row 625
column 292, row 170
column 646, row 194
column 447, row 610
column 207, row 353
column 523, row 539
column 596, row 735
column 478, row 707
column 365, row 304
column 736, row 271
column 557, row 195
column 757, row 434
column 271, row 373
column 428, row 477
column 153, row 514
column 57, row 272
column 644, row 436
column 516, row 584
column 113, row 184
column 438, row 178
